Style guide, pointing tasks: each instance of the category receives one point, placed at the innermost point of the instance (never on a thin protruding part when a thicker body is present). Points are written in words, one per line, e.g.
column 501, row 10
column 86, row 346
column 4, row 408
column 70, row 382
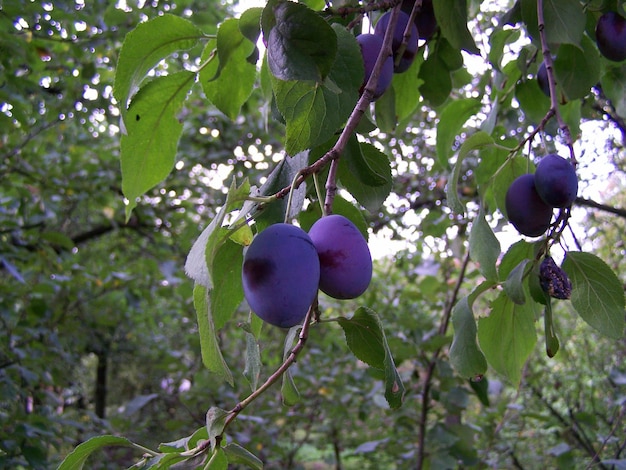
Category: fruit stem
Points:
column 290, row 199
column 318, row 191
column 288, row 362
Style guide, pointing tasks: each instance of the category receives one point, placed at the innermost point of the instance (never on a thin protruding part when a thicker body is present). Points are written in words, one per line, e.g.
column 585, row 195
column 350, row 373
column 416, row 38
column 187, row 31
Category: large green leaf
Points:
column 576, row 69
column 238, row 455
column 507, row 336
column 476, row 141
column 451, row 120
column 597, row 293
column 314, row 111
column 484, row 246
column 301, row 45
column 436, row 82
column 370, row 197
column 465, row 355
column 76, row 459
column 564, row 20
column 152, row 133
column 228, row 79
column 452, row 19
column 212, row 357
column 145, row 46
column 366, row 339
column 614, row 87
column 227, row 292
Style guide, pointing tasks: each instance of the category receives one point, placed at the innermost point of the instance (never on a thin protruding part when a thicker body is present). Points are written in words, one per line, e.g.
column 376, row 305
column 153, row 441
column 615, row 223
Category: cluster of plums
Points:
column 371, row 44
column 284, row 267
column 531, row 198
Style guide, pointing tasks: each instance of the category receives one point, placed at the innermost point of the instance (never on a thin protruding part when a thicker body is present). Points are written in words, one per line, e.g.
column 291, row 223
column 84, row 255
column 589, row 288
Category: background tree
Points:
column 101, row 331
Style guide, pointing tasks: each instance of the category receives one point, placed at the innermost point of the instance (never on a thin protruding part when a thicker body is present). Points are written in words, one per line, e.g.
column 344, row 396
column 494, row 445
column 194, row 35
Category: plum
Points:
column 525, row 209
column 370, row 45
column 281, row 273
column 542, row 79
column 425, row 20
column 403, row 63
column 556, row 181
column 345, row 259
column 554, row 280
column 611, row 36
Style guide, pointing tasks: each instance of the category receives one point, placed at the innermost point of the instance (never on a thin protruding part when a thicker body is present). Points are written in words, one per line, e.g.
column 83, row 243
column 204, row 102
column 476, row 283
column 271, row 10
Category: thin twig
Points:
column 443, row 327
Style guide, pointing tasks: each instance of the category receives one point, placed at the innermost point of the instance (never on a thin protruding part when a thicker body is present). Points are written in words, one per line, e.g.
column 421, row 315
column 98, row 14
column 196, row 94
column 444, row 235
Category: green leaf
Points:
column 576, row 69
column 507, row 336
column 436, row 81
column 370, row 197
column 532, row 100
column 218, row 461
column 238, row 455
column 76, row 459
column 227, row 291
column 614, row 87
column 465, row 355
column 314, row 111
column 366, row 339
column 215, row 422
column 282, row 176
column 356, row 163
column 228, row 79
column 301, row 45
column 564, row 20
column 597, row 293
column 252, row 369
column 452, row 19
column 209, row 344
column 498, row 39
column 200, row 260
column 385, row 111
column 152, row 132
column 250, row 23
column 288, row 390
column 484, row 246
column 476, row 141
column 406, row 88
column 451, row 120
column 145, row 46
column 514, row 284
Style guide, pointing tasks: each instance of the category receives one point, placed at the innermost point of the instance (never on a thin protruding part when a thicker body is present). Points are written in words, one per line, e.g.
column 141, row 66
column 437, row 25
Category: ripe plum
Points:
column 345, row 259
column 525, row 209
column 611, row 36
column 556, row 181
column 281, row 273
column 411, row 47
column 370, row 45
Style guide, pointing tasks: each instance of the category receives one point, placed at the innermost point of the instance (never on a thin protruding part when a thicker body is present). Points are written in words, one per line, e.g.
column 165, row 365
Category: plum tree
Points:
column 401, row 64
column 281, row 272
column 542, row 79
column 345, row 259
column 425, row 20
column 525, row 209
column 371, row 45
column 611, row 36
column 556, row 181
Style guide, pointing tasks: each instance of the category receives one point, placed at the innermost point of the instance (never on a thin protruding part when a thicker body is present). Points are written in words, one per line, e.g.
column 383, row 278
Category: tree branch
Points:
column 603, row 207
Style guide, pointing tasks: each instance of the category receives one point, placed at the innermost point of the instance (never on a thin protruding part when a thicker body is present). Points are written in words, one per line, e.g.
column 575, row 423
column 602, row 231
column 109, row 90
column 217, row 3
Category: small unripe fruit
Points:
column 345, row 259
column 280, row 275
column 411, row 47
column 371, row 45
column 556, row 181
column 525, row 209
column 611, row 36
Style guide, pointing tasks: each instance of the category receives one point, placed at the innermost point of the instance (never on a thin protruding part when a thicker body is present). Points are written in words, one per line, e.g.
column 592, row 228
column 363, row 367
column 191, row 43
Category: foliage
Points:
column 210, row 131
